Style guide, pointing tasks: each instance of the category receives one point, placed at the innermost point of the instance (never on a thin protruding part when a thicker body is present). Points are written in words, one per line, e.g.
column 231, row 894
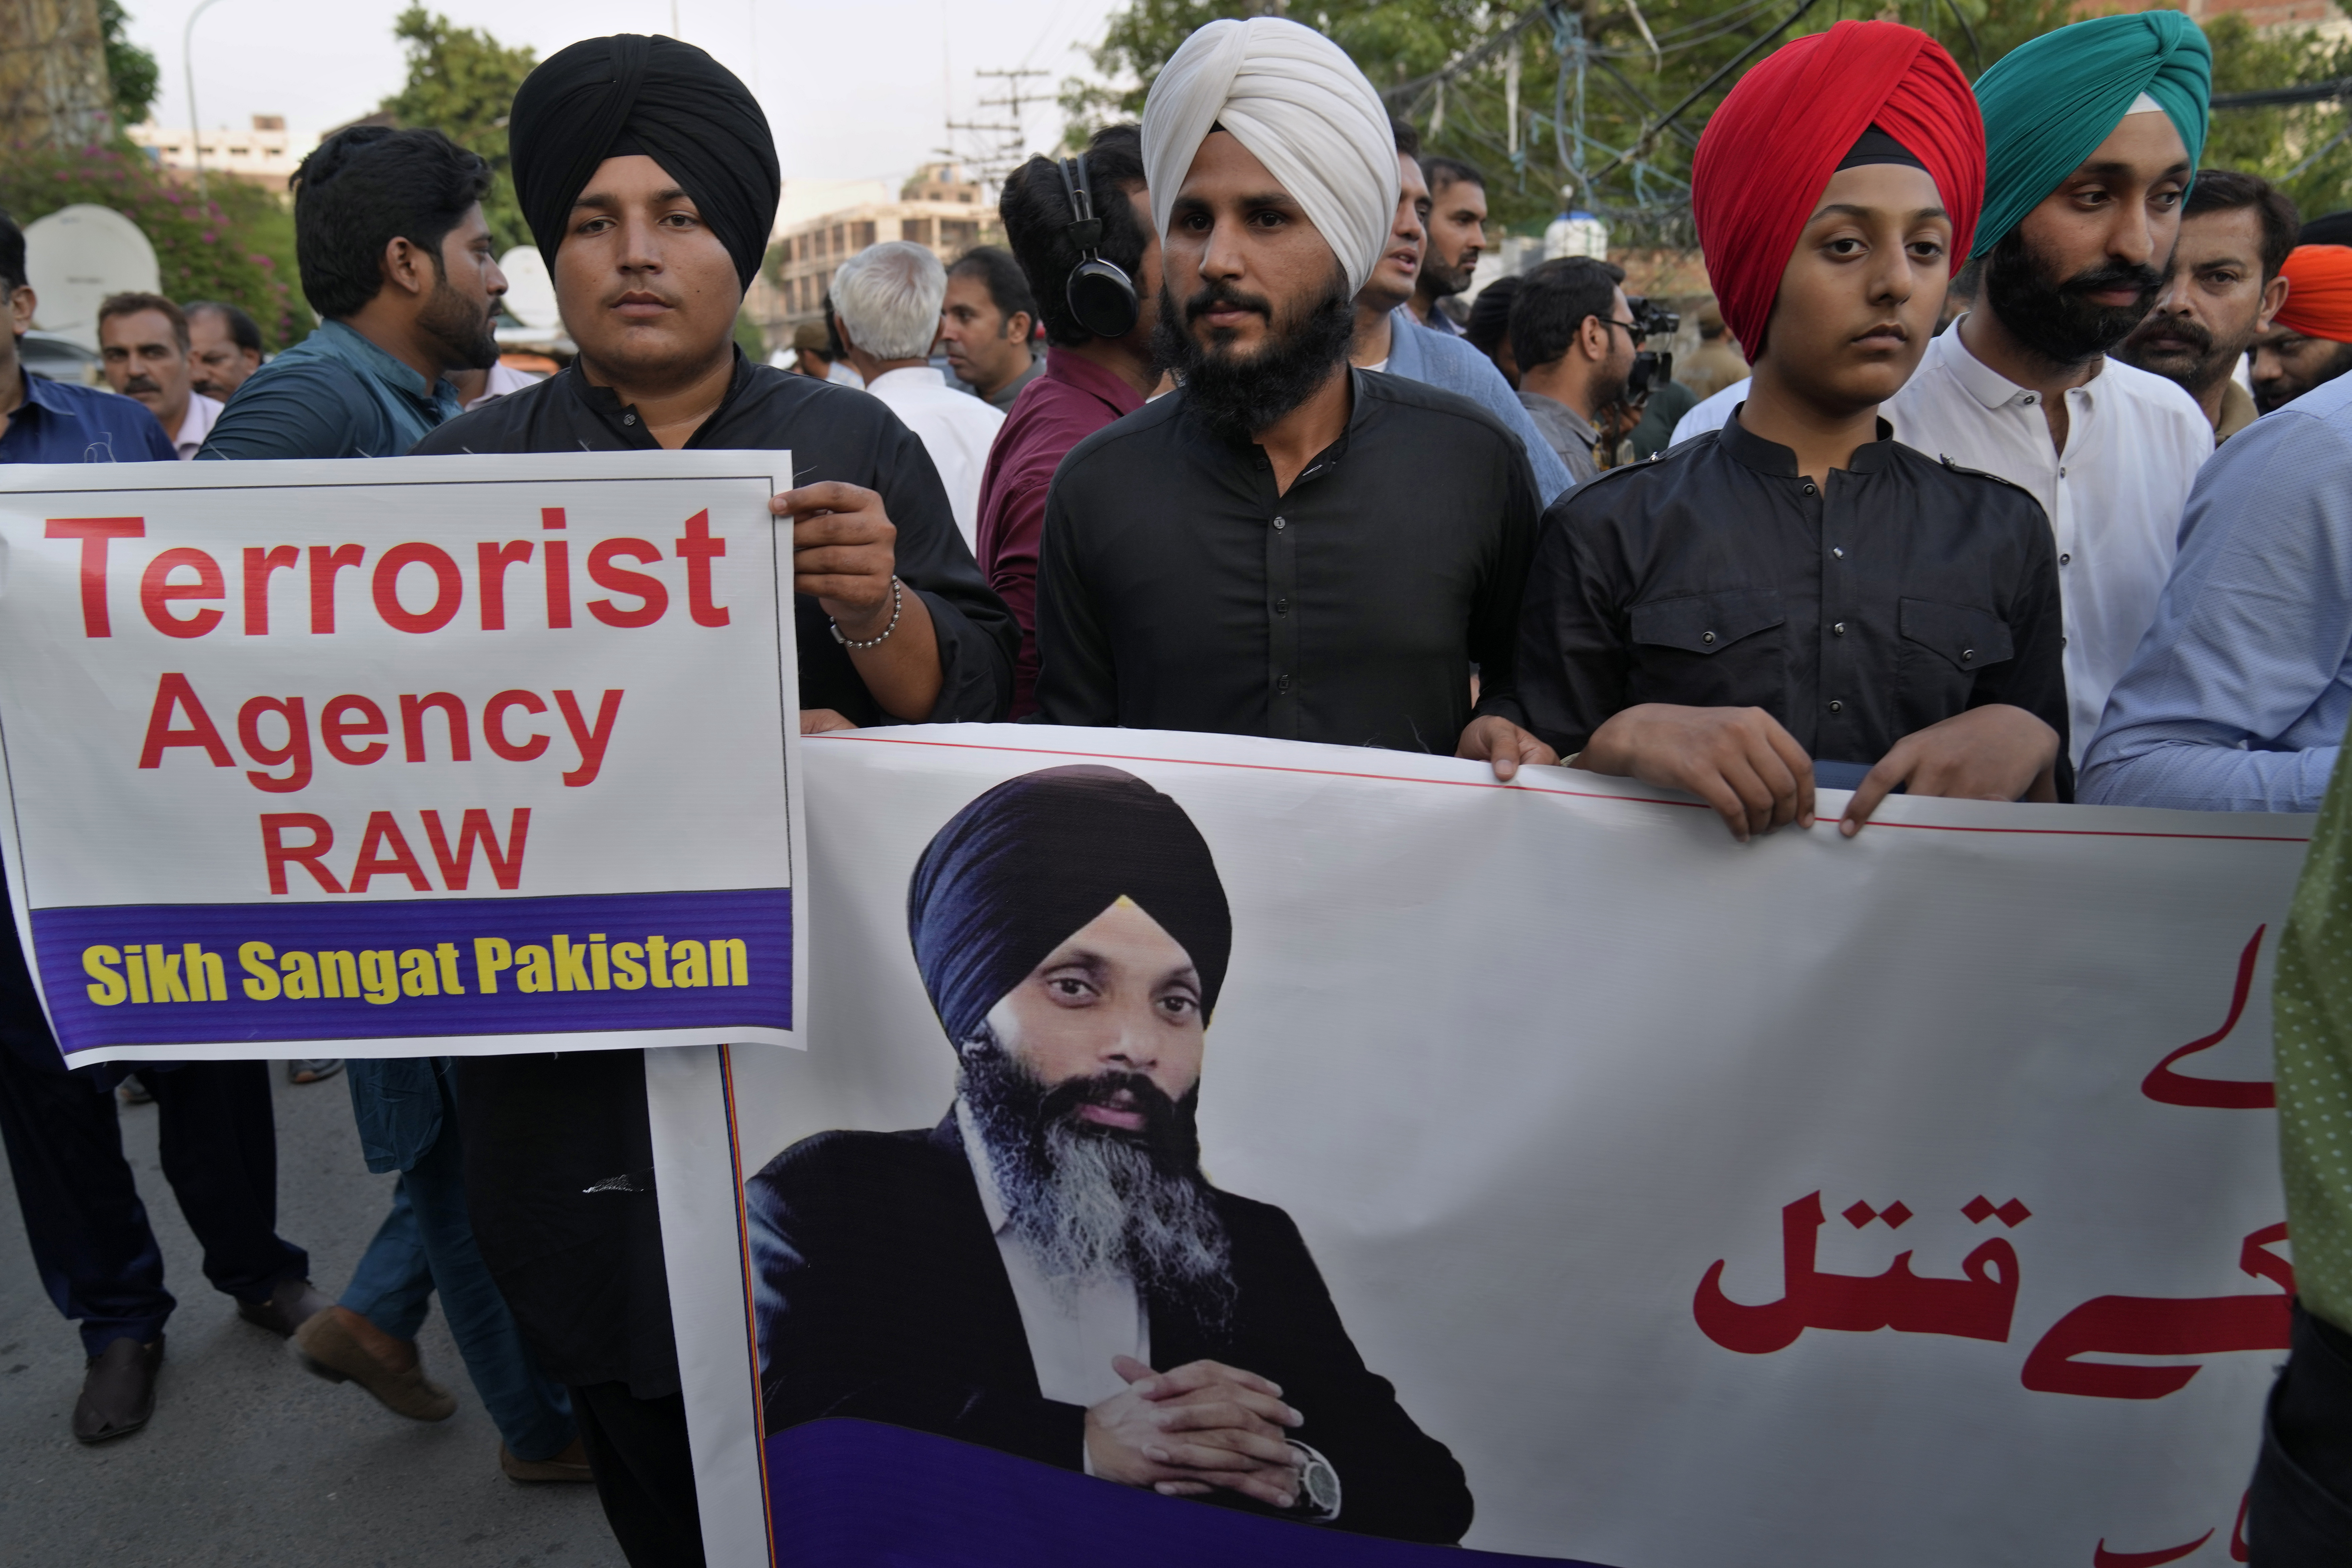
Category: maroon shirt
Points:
column 1075, row 398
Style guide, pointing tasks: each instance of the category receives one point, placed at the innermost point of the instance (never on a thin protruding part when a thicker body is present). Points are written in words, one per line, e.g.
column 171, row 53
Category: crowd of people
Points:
column 1963, row 498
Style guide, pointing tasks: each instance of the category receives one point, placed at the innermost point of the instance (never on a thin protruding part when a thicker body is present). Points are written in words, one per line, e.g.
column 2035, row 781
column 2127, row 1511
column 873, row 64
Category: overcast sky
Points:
column 855, row 91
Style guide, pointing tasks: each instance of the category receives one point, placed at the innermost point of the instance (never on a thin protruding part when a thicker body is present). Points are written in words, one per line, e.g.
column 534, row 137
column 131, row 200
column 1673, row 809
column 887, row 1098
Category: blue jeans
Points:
column 426, row 1243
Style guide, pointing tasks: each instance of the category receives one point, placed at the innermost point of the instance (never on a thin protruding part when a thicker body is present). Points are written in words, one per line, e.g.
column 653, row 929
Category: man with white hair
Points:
column 1263, row 551
column 885, row 303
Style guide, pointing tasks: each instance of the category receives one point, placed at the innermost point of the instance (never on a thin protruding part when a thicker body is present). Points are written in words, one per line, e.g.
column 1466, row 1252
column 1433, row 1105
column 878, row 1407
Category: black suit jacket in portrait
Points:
column 880, row 1294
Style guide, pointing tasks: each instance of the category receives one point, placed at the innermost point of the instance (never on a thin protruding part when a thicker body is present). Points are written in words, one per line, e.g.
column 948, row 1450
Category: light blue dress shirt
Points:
column 1451, row 364
column 2238, row 695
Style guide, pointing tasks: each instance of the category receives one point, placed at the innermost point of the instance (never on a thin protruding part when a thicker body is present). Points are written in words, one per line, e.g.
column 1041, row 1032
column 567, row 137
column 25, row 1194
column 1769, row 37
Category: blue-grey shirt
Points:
column 60, row 422
column 333, row 394
column 1420, row 353
column 2238, row 695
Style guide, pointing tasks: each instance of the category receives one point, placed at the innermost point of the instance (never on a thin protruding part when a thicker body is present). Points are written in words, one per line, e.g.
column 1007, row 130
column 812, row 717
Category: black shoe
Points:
column 118, row 1391
column 294, row 1303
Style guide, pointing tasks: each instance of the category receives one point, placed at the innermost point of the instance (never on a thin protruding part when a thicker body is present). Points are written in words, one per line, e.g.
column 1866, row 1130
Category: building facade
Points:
column 262, row 156
column 938, row 208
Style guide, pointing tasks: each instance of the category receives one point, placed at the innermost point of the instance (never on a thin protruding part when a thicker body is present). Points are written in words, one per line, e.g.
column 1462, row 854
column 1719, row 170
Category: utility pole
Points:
column 992, row 165
column 196, row 127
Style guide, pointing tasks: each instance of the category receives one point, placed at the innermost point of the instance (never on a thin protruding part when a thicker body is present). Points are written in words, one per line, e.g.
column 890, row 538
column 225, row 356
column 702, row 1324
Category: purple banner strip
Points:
column 206, row 973
column 852, row 1494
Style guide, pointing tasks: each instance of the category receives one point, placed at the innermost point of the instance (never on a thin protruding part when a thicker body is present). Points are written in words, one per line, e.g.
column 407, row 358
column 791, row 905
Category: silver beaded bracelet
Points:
column 898, row 602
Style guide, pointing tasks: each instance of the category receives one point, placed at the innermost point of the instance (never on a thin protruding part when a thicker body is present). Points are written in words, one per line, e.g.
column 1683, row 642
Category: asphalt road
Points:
column 249, row 1460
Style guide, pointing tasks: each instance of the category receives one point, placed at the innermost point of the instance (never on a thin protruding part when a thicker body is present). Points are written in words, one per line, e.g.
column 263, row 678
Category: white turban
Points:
column 1298, row 103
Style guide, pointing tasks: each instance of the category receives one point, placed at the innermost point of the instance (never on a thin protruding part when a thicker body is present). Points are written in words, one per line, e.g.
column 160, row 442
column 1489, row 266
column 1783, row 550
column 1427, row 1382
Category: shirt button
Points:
column 1967, row 654
column 1280, row 523
column 628, row 419
column 1812, row 489
column 2062, row 473
column 1839, row 628
column 1838, row 553
column 1282, row 607
column 1282, row 683
column 1706, row 637
column 2027, row 400
column 1837, row 707
column 2065, row 558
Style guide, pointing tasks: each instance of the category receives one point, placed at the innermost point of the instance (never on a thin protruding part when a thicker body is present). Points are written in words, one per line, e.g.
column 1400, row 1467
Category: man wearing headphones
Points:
column 1094, row 274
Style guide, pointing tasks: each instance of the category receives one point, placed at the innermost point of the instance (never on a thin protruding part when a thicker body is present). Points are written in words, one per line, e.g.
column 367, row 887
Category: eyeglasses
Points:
column 1632, row 330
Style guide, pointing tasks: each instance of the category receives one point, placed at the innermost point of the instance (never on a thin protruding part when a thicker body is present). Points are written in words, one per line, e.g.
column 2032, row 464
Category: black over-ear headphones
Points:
column 1100, row 295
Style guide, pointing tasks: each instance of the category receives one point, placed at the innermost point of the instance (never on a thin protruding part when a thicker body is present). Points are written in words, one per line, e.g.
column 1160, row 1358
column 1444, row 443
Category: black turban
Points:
column 1023, row 868
column 609, row 98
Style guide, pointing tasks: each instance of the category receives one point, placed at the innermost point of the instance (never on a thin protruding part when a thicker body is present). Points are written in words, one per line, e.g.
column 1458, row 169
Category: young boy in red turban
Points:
column 1796, row 598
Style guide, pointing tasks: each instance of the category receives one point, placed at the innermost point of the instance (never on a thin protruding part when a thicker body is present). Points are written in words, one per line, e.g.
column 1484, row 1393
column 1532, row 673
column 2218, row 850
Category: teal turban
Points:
column 2049, row 103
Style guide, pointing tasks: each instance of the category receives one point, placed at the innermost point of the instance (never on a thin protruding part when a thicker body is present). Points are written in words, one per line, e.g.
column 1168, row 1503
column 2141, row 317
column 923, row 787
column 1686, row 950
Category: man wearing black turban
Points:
column 1013, row 1276
column 649, row 178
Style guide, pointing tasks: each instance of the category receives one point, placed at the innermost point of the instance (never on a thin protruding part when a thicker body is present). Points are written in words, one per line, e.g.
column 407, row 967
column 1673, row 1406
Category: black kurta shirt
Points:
column 1905, row 591
column 834, row 433
column 583, row 1269
column 1178, row 590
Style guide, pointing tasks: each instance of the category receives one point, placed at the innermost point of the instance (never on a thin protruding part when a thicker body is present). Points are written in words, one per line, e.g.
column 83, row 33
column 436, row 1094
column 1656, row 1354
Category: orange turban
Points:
column 1768, row 150
column 2320, row 292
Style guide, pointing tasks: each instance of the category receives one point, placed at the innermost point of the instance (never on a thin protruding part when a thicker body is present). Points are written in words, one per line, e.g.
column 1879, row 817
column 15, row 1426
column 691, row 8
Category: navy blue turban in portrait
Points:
column 611, row 97
column 1027, row 865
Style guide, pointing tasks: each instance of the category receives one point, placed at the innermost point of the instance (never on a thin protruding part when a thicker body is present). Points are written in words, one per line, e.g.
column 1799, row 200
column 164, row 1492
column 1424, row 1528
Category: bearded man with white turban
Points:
column 1284, row 546
column 2092, row 133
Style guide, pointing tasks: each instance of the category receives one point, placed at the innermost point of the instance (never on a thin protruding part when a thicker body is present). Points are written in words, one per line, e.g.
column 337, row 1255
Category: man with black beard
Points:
column 2090, row 134
column 397, row 260
column 1047, row 1271
column 1284, row 546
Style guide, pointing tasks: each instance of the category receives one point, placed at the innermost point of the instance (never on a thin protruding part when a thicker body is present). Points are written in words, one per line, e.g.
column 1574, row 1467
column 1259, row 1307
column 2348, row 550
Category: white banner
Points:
column 405, row 757
column 1907, row 1198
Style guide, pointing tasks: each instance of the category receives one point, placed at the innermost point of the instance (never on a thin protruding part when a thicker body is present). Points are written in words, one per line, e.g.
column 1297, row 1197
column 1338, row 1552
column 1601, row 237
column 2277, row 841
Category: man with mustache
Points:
column 224, row 345
column 2238, row 698
column 1457, row 237
column 396, row 259
column 2309, row 342
column 649, row 177
column 143, row 345
column 1263, row 551
column 1798, row 598
column 2091, row 135
column 2235, row 233
column 1047, row 1271
column 1386, row 338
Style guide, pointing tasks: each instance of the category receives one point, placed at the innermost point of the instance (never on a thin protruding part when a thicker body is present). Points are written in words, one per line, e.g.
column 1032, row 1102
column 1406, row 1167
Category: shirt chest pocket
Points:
column 1711, row 650
column 1945, row 648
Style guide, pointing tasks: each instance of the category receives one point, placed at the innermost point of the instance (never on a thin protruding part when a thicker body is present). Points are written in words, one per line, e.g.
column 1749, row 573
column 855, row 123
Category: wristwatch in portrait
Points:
column 1318, row 1486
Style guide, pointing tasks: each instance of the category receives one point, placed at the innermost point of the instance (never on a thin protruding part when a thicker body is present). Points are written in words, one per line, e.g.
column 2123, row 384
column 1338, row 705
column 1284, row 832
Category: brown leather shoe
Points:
column 118, row 1391
column 326, row 1349
column 571, row 1464
column 294, row 1303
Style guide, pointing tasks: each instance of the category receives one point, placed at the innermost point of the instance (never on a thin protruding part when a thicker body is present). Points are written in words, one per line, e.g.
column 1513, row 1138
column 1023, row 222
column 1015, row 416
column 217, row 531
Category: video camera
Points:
column 1650, row 369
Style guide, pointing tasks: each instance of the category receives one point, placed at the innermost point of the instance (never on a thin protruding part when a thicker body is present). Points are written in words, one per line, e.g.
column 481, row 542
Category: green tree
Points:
column 462, row 81
column 131, row 69
column 215, row 250
column 2306, row 149
column 1581, row 92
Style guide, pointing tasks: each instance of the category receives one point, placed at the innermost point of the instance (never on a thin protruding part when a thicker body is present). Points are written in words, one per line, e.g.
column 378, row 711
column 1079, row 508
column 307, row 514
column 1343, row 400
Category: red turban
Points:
column 1767, row 154
column 2318, row 293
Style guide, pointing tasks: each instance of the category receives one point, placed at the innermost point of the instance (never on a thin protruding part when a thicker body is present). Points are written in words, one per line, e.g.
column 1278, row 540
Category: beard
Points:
column 2057, row 319
column 2202, row 363
column 1094, row 1202
column 1441, row 280
column 461, row 327
column 1238, row 396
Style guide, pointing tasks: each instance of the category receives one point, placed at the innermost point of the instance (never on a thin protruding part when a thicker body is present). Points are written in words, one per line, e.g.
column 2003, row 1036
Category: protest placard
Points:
column 1595, row 1188
column 435, row 756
